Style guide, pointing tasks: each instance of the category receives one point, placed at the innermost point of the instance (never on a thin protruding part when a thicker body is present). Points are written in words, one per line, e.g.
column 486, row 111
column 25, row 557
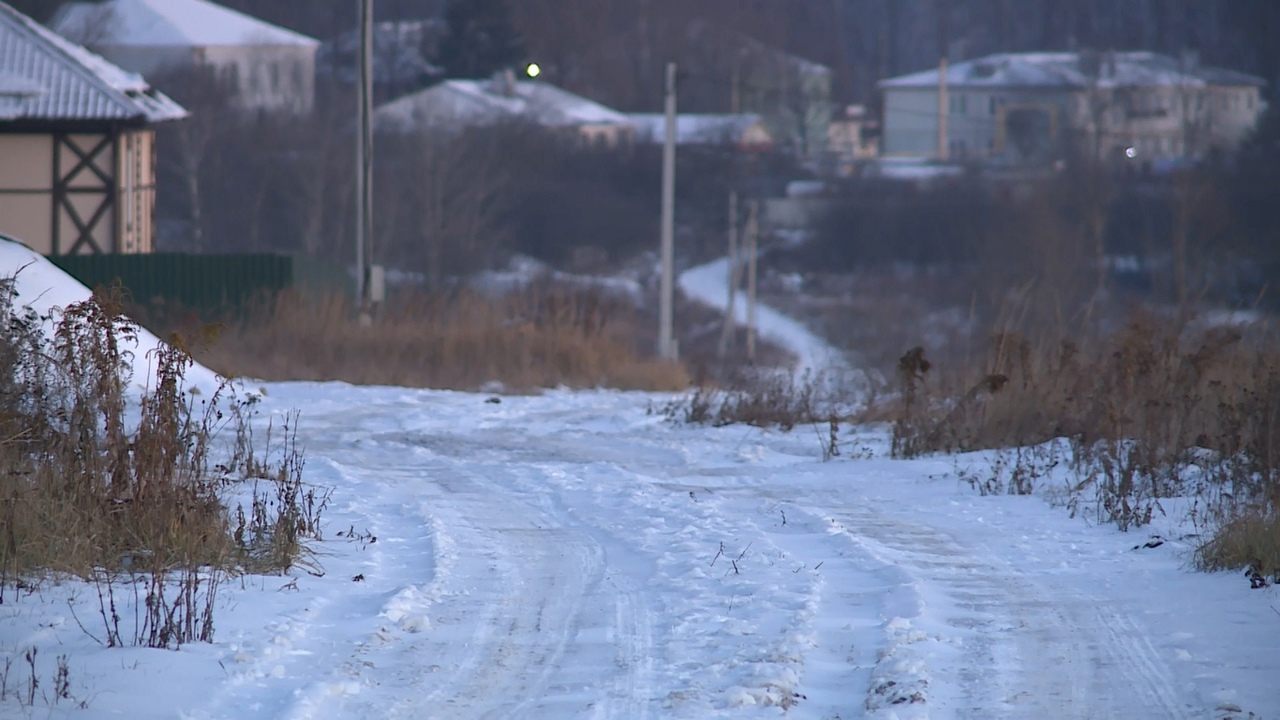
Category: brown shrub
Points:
column 126, row 494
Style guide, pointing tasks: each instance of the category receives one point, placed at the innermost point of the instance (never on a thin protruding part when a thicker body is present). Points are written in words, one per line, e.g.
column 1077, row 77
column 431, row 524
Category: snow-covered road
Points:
column 575, row 556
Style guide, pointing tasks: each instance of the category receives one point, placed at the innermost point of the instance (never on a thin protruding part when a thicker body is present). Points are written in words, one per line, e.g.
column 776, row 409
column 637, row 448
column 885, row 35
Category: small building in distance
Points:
column 455, row 105
column 77, row 148
column 264, row 67
column 745, row 131
column 851, row 138
column 1038, row 107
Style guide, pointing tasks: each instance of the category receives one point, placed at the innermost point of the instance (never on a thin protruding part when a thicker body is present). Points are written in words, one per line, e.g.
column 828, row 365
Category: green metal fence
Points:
column 206, row 282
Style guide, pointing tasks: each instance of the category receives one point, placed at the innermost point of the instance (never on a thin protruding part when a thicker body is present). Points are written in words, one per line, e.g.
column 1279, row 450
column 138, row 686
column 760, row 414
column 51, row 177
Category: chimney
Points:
column 503, row 83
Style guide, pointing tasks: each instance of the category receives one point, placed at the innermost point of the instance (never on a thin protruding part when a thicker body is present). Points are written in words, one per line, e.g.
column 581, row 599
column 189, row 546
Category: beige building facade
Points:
column 77, row 148
column 67, row 194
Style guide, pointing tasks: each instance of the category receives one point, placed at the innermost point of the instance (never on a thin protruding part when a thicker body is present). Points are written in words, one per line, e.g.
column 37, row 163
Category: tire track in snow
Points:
column 460, row 562
column 516, row 599
column 1006, row 622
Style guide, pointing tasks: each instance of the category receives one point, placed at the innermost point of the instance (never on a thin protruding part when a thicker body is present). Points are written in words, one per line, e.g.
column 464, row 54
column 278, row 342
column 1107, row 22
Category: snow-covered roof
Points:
column 698, row 129
column 45, row 77
column 454, row 104
column 170, row 23
column 1073, row 70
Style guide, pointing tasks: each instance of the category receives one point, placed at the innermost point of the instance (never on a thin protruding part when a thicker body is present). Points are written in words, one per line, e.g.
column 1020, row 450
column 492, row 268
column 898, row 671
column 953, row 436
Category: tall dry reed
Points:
column 541, row 337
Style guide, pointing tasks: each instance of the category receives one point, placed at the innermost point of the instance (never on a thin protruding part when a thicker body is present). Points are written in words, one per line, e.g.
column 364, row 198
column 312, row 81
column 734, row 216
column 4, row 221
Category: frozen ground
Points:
column 573, row 555
column 576, row 555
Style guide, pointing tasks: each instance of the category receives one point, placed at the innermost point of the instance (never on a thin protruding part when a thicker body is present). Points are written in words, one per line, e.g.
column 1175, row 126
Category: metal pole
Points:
column 666, row 342
column 726, row 333
column 943, row 148
column 753, row 252
column 364, row 160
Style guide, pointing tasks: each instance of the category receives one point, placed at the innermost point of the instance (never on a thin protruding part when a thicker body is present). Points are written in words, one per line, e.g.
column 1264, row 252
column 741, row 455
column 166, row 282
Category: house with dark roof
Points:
column 77, row 145
column 1137, row 107
column 265, row 67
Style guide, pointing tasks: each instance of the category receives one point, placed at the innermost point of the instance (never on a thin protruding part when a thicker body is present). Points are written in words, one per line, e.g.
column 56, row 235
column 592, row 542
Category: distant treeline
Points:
column 614, row 50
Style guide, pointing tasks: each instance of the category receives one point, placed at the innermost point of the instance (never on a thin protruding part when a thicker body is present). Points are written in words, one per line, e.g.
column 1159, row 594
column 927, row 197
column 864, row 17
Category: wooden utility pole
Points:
column 667, row 348
column 364, row 162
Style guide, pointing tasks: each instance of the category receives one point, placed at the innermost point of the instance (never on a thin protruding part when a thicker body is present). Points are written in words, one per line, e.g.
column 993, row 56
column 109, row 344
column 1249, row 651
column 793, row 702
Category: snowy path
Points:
column 572, row 556
column 577, row 556
column 708, row 284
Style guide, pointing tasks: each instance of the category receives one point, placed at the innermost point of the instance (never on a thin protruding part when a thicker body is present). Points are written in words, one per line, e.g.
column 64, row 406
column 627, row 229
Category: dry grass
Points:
column 127, row 494
column 772, row 404
column 1152, row 411
column 1250, row 541
column 1164, row 387
column 542, row 337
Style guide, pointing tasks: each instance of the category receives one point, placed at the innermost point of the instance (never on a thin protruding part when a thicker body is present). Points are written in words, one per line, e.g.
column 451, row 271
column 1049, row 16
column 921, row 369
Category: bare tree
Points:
column 443, row 206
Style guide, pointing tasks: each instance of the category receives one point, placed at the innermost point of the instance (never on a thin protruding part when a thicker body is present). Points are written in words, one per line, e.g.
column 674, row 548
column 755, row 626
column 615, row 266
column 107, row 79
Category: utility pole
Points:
column 753, row 252
column 726, row 332
column 943, row 150
column 944, row 8
column 364, row 163
column 667, row 348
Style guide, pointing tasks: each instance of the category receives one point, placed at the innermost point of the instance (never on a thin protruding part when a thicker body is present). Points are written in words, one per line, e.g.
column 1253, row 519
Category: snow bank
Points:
column 44, row 287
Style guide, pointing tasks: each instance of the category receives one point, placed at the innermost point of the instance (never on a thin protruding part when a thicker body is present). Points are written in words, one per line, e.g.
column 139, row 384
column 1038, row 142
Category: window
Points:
column 275, row 77
column 1249, row 100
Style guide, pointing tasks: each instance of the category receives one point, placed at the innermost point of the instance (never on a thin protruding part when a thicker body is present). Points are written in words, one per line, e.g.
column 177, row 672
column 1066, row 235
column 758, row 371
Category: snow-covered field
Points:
column 577, row 555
